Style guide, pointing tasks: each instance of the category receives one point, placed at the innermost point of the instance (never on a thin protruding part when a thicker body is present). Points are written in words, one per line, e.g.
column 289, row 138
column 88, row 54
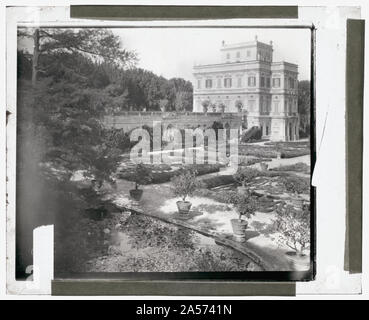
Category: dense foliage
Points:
column 293, row 227
column 185, row 184
column 295, row 184
column 142, row 175
column 246, row 175
column 304, row 107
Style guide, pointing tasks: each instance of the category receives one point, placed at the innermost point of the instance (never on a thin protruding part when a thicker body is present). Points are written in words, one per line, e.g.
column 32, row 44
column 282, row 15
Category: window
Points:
column 262, row 82
column 291, row 83
column 251, row 81
column 219, row 83
column 267, row 130
column 228, row 56
column 276, row 82
column 289, row 107
column 248, row 53
column 276, row 106
column 268, row 82
column 238, row 55
column 198, row 84
column 239, row 82
column 208, row 83
column 227, row 82
column 261, row 104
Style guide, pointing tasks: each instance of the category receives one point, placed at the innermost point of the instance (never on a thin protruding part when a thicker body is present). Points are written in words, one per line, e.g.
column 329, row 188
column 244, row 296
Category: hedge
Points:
column 165, row 176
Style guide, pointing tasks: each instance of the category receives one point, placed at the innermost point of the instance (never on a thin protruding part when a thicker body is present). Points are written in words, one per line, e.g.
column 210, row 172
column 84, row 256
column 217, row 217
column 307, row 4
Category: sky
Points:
column 172, row 52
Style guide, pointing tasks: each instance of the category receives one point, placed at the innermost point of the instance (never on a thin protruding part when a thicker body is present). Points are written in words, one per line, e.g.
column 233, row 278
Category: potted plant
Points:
column 142, row 175
column 239, row 105
column 293, row 227
column 245, row 205
column 213, row 107
column 205, row 105
column 222, row 107
column 184, row 185
column 243, row 176
column 297, row 186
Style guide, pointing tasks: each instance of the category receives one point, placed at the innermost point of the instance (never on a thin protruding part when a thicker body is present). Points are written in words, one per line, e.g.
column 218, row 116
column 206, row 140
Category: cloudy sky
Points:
column 172, row 52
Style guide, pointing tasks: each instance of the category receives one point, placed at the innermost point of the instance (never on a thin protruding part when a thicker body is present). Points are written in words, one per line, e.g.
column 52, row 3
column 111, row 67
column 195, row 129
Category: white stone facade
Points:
column 248, row 81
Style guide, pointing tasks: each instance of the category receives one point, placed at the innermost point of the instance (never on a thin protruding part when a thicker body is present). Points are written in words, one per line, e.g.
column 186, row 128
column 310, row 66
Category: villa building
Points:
column 247, row 81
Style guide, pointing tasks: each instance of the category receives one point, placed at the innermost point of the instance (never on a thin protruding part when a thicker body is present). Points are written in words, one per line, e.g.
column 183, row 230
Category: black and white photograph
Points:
column 166, row 150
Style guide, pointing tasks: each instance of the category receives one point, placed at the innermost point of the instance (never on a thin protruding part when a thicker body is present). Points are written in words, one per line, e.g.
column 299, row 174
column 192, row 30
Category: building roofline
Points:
column 244, row 45
column 228, row 63
column 198, row 67
column 286, row 63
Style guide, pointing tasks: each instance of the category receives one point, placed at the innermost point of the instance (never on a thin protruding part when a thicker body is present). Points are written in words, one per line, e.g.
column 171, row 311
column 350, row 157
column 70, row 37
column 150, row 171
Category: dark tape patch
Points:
column 182, row 12
column 171, row 288
column 354, row 143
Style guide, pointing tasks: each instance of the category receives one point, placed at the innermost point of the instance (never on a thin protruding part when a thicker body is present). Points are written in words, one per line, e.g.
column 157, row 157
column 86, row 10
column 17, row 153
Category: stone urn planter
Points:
column 239, row 227
column 299, row 262
column 184, row 207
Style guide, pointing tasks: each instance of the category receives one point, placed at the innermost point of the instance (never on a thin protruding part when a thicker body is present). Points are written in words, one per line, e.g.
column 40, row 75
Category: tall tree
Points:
column 99, row 45
column 304, row 107
column 71, row 91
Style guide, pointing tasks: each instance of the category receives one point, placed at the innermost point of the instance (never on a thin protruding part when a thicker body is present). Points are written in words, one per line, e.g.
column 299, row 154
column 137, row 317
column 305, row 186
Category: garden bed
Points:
column 250, row 160
column 296, row 167
column 163, row 173
column 294, row 144
column 139, row 243
column 272, row 151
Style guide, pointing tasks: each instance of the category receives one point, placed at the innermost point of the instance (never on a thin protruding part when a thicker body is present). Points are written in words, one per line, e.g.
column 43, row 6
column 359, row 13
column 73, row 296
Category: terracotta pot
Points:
column 297, row 261
column 136, row 194
column 239, row 229
column 184, row 207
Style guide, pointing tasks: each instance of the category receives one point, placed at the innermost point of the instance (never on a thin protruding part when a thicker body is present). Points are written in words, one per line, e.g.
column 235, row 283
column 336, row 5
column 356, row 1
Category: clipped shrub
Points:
column 217, row 181
column 245, row 175
column 298, row 167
